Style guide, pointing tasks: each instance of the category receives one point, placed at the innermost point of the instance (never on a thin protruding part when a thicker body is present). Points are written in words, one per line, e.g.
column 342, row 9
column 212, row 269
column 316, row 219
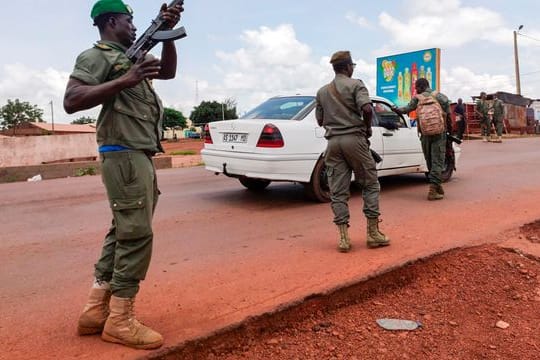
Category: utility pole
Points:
column 52, row 116
column 516, row 61
column 222, row 111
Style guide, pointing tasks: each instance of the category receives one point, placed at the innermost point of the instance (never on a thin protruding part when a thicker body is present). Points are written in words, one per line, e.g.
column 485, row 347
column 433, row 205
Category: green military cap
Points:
column 110, row 6
column 341, row 57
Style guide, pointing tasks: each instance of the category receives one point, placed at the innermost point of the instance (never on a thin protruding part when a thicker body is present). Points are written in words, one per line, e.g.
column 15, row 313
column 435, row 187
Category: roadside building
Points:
column 41, row 128
column 518, row 115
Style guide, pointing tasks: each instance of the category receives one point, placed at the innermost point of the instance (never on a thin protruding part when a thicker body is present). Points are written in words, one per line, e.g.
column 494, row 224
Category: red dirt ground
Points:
column 183, row 144
column 458, row 296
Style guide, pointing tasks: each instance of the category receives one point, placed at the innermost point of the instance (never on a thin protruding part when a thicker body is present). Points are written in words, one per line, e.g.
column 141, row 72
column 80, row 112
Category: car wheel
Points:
column 317, row 189
column 254, row 184
column 449, row 164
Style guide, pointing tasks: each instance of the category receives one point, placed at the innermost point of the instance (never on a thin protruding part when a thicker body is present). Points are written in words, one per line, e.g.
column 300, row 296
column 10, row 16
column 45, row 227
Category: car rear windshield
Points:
column 281, row 108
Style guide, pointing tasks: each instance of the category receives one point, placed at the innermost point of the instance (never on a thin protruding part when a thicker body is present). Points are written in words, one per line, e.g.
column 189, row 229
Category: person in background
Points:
column 128, row 134
column 433, row 146
column 482, row 111
column 344, row 108
column 498, row 118
column 459, row 112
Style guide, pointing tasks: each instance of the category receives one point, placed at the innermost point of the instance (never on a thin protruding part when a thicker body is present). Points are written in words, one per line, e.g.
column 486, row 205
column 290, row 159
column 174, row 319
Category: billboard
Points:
column 397, row 74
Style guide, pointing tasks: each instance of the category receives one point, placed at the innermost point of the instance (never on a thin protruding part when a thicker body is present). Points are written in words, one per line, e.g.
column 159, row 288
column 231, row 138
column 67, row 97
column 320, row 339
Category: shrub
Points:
column 86, row 171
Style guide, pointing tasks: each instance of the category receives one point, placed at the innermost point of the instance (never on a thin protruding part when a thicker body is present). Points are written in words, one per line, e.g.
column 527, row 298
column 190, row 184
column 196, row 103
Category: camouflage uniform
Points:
column 348, row 147
column 433, row 146
column 482, row 107
column 498, row 115
column 130, row 121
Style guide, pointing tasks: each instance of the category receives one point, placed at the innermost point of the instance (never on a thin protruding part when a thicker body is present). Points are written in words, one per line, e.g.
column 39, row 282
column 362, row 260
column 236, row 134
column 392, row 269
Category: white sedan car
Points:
column 280, row 140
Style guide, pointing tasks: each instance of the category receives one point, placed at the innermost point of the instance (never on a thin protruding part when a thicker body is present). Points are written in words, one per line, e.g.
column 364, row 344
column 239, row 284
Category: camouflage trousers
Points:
column 130, row 180
column 498, row 124
column 346, row 154
column 485, row 126
column 434, row 149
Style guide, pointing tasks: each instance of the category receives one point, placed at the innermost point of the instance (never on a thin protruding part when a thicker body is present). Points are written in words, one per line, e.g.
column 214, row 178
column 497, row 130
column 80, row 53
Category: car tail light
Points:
column 270, row 137
column 207, row 136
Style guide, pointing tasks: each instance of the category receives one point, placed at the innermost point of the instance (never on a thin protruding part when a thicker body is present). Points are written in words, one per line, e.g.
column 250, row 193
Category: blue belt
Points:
column 111, row 148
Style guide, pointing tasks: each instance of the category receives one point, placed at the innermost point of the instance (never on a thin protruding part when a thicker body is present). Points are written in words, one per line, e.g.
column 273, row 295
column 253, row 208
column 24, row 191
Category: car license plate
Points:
column 234, row 138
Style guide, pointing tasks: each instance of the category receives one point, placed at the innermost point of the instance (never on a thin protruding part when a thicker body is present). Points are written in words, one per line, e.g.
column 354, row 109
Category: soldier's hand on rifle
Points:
column 147, row 67
column 171, row 15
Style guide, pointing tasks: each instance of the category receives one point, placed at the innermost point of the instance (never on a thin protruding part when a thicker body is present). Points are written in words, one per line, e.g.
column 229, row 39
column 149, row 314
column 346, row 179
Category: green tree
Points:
column 173, row 119
column 17, row 112
column 84, row 120
column 209, row 111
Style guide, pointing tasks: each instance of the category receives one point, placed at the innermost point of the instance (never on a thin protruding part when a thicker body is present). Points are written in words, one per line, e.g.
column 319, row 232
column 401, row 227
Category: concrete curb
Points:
column 81, row 168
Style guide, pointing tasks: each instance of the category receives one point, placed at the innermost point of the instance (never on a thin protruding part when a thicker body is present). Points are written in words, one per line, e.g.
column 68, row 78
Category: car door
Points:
column 401, row 145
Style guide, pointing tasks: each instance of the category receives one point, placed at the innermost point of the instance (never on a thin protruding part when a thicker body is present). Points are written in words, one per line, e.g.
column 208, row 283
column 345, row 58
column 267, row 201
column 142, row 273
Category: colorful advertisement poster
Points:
column 397, row 74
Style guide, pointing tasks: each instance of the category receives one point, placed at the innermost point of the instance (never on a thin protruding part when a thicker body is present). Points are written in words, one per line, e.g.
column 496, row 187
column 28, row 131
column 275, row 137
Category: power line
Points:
column 531, row 38
column 531, row 73
column 528, row 37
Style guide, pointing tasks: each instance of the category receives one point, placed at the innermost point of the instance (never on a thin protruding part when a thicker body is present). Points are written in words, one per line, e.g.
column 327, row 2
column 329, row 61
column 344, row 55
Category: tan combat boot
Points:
column 95, row 312
column 499, row 139
column 122, row 327
column 440, row 189
column 375, row 238
column 344, row 240
column 433, row 194
column 485, row 139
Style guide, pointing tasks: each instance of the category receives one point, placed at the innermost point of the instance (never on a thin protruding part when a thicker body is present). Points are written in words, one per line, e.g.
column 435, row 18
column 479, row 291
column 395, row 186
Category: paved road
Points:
column 222, row 254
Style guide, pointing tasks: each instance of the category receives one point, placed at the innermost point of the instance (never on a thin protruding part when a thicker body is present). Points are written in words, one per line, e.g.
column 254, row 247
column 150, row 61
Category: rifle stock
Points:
column 155, row 33
column 375, row 156
column 453, row 138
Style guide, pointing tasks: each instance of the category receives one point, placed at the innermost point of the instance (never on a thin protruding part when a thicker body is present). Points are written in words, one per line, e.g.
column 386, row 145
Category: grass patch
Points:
column 184, row 152
column 86, row 171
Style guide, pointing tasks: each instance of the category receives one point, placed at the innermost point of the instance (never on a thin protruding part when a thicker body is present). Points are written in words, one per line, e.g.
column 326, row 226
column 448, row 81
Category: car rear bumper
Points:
column 261, row 166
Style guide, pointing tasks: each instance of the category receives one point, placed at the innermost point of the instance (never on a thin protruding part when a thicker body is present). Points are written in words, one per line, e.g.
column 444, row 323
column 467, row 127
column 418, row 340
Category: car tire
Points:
column 254, row 184
column 449, row 166
column 317, row 189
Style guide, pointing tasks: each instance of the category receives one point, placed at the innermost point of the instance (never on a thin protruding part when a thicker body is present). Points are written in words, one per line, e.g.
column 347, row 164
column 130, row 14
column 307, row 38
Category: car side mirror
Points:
column 389, row 121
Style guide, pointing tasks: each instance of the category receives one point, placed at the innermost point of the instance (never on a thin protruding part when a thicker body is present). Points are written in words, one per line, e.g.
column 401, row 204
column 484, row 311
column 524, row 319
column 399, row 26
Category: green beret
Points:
column 341, row 57
column 110, row 6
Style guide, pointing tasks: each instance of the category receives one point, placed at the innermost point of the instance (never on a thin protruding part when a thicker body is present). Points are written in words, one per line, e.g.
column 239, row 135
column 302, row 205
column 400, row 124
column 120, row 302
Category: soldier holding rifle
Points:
column 482, row 111
column 128, row 135
column 498, row 118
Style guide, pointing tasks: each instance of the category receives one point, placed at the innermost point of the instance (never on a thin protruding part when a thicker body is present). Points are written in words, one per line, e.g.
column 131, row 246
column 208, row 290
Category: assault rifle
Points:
column 155, row 33
column 453, row 138
column 375, row 156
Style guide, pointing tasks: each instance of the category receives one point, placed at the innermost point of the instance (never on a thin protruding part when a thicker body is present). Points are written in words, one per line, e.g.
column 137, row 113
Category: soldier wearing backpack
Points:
column 433, row 116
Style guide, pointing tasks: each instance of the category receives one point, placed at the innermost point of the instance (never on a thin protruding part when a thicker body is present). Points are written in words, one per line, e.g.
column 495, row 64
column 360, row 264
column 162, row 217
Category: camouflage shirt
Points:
column 482, row 107
column 498, row 108
column 132, row 118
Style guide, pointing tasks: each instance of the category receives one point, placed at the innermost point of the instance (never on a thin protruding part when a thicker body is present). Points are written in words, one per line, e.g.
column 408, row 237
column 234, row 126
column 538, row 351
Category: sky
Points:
column 251, row 50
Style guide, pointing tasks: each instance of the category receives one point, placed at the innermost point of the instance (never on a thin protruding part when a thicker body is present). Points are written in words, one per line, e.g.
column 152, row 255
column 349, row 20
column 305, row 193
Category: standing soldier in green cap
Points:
column 498, row 116
column 482, row 111
column 128, row 134
column 433, row 144
column 344, row 109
